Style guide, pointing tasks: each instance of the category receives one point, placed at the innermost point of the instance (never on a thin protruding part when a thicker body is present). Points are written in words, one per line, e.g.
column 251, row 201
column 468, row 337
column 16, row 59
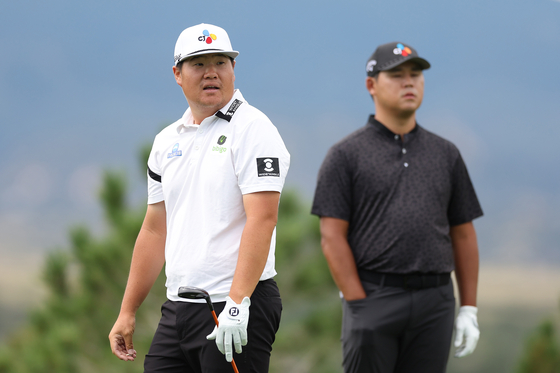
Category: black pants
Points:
column 180, row 344
column 395, row 330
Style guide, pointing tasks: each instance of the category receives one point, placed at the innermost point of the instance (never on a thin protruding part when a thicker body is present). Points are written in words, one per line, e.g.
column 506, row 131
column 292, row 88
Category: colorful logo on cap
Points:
column 402, row 50
column 207, row 37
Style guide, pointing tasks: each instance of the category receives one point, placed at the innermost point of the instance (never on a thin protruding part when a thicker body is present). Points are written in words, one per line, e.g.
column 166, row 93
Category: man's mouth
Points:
column 210, row 87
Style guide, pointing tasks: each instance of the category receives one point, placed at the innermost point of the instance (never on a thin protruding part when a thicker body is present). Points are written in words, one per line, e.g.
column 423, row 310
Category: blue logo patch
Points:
column 175, row 152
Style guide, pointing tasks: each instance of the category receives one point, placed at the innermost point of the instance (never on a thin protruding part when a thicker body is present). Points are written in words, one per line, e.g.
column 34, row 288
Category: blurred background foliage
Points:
column 542, row 354
column 85, row 284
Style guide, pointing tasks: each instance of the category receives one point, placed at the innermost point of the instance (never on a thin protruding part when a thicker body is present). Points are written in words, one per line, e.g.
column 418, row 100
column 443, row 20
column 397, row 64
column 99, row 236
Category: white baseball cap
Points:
column 203, row 39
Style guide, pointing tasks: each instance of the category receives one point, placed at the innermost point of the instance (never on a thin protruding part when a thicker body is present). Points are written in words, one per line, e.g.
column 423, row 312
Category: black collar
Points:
column 230, row 111
column 386, row 132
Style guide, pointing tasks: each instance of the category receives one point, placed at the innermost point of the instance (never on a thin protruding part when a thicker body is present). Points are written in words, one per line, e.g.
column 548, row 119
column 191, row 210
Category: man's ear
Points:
column 177, row 74
column 370, row 85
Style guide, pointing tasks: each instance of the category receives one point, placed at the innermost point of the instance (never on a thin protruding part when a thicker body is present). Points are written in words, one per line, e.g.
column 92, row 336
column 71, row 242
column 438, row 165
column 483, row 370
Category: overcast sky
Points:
column 83, row 85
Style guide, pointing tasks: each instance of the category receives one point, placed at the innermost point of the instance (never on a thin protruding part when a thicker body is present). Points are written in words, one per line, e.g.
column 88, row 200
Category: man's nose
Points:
column 408, row 81
column 210, row 72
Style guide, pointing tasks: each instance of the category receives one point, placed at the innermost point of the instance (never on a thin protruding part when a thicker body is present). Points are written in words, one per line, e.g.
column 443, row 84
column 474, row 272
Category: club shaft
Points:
column 234, row 366
column 232, row 360
column 215, row 318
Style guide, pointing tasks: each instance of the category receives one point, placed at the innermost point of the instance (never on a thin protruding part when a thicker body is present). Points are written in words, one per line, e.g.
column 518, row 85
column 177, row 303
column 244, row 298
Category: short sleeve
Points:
column 333, row 193
column 155, row 190
column 260, row 157
column 463, row 205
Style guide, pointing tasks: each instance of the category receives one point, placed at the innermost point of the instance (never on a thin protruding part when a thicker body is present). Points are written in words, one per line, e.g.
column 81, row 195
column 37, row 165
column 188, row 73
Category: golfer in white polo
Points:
column 214, row 183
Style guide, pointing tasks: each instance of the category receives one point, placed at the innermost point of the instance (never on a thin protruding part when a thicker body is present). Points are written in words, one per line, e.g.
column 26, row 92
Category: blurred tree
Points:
column 309, row 336
column 542, row 354
column 85, row 283
column 69, row 332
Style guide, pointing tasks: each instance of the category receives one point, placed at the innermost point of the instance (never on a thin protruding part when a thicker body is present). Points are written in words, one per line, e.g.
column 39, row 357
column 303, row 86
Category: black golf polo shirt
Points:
column 399, row 195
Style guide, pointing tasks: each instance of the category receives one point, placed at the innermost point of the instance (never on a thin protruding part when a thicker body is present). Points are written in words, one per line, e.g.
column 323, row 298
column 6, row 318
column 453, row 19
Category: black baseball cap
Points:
column 390, row 55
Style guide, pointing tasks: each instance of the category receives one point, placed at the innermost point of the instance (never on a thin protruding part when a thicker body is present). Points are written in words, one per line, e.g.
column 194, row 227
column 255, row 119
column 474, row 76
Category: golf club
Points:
column 191, row 292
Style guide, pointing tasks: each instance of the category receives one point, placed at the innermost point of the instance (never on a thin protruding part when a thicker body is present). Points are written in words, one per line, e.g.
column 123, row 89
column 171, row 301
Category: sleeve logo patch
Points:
column 268, row 167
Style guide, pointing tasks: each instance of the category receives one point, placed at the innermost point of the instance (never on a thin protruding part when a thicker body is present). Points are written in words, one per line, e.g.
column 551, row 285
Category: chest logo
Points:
column 175, row 152
column 219, row 149
column 268, row 167
column 221, row 140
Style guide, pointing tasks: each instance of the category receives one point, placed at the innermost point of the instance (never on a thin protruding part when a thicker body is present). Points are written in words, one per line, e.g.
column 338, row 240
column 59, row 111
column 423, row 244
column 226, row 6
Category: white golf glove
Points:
column 233, row 322
column 466, row 331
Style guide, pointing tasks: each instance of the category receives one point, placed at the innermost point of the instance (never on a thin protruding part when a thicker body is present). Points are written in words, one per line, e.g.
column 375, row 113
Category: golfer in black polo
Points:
column 396, row 205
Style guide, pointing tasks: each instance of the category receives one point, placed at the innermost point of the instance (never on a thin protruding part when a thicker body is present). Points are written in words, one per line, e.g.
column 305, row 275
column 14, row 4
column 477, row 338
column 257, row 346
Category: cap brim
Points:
column 419, row 60
column 232, row 54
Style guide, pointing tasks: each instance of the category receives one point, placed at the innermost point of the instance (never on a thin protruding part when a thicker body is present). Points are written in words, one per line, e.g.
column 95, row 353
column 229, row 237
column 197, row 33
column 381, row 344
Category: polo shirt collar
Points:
column 186, row 121
column 225, row 113
column 386, row 132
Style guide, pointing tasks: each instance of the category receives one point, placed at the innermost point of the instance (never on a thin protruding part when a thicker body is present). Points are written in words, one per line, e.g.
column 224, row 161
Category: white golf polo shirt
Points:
column 202, row 172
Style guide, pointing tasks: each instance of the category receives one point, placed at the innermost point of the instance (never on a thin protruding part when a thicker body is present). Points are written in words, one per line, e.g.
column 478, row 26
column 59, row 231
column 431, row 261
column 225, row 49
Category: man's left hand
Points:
column 233, row 322
column 466, row 331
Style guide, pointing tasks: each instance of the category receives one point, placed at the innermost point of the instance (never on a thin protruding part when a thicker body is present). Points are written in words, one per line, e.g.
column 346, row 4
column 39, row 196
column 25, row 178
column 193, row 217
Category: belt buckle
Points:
column 414, row 282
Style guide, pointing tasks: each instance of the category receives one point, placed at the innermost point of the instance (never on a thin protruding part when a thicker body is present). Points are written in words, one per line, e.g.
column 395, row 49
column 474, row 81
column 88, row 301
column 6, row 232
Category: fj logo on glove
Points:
column 234, row 311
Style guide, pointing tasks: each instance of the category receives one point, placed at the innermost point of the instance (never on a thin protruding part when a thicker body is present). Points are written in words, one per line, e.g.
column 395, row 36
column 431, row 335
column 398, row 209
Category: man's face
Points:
column 207, row 82
column 399, row 90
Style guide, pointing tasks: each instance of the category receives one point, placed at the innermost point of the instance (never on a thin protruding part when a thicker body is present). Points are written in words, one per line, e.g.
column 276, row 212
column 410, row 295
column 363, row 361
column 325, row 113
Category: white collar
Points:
column 187, row 120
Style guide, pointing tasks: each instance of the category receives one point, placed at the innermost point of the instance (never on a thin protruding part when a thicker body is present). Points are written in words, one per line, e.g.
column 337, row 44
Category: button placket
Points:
column 404, row 151
column 198, row 139
column 202, row 131
column 199, row 135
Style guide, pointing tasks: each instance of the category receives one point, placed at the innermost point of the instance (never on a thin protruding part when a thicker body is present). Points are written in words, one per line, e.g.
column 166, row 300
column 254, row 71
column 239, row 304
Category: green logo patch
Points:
column 220, row 149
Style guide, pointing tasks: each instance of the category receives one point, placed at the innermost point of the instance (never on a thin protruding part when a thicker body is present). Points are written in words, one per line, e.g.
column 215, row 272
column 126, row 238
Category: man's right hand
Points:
column 120, row 338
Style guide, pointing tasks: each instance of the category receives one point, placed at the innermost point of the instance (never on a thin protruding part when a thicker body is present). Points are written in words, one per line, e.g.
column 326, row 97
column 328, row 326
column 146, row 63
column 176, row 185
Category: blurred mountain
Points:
column 83, row 85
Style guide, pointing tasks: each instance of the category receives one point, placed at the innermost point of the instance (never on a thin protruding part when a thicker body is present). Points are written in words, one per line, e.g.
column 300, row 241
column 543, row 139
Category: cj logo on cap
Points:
column 207, row 37
column 401, row 49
